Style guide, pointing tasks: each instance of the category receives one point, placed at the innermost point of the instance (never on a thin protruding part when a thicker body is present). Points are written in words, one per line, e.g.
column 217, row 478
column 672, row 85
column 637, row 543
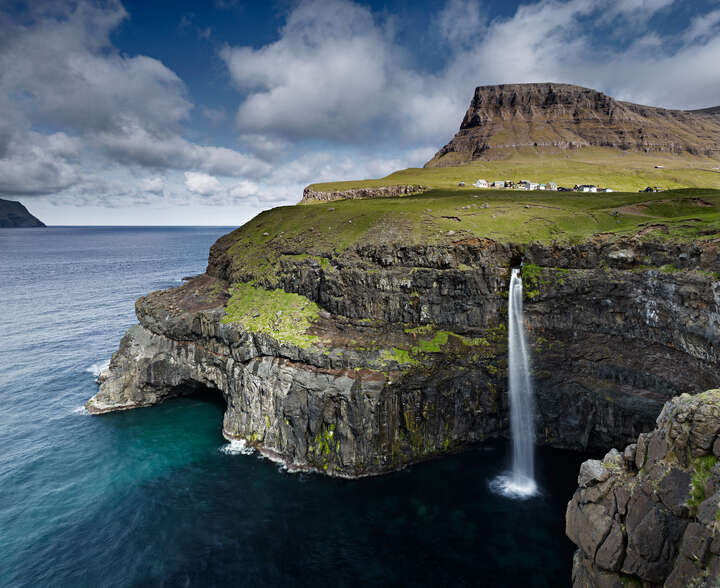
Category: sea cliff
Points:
column 380, row 356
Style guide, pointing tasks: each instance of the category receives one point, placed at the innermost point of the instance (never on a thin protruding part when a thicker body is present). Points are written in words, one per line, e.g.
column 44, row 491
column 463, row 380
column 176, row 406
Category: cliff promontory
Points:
column 553, row 118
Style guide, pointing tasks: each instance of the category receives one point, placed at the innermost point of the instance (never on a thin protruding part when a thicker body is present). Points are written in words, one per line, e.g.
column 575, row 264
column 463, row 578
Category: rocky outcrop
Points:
column 342, row 408
column 562, row 116
column 14, row 215
column 650, row 516
column 310, row 195
column 409, row 353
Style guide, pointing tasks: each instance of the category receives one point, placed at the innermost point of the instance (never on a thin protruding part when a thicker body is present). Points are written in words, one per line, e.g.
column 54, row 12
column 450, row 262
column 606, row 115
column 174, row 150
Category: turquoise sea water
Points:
column 147, row 497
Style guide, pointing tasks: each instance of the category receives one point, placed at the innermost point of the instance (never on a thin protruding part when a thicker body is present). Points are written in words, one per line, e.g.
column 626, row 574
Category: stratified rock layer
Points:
column 650, row 516
column 562, row 116
column 410, row 357
column 310, row 195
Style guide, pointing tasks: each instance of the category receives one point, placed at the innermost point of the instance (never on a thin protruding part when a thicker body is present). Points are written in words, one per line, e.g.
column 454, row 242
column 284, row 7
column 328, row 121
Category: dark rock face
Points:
column 649, row 517
column 15, row 215
column 310, row 195
column 563, row 116
column 612, row 342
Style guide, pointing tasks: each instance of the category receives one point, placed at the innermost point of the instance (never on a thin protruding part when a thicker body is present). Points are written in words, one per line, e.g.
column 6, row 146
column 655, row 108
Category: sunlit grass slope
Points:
column 629, row 171
column 443, row 216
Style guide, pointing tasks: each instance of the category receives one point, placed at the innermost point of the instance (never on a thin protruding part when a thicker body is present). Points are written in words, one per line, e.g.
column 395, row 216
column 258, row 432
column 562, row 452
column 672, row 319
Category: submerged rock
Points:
column 653, row 521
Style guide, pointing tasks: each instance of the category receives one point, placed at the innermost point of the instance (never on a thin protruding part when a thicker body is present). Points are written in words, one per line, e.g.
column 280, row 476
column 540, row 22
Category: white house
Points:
column 524, row 184
column 533, row 186
column 498, row 184
column 587, row 188
column 551, row 186
column 481, row 184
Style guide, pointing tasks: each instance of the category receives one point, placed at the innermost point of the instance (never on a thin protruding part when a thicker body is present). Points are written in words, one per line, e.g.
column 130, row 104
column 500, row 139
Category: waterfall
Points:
column 520, row 481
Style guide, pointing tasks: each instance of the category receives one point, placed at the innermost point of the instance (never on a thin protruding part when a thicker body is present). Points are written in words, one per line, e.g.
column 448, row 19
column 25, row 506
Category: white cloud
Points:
column 59, row 69
column 32, row 163
column 550, row 41
column 325, row 77
column 243, row 189
column 152, row 185
column 133, row 143
column 461, row 22
column 203, row 184
column 702, row 27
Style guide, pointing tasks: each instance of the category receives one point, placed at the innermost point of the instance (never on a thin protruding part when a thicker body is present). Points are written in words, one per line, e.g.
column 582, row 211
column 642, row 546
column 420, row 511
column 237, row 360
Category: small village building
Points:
column 551, row 186
column 524, row 184
column 587, row 188
column 481, row 184
column 533, row 186
column 498, row 184
column 542, row 187
column 461, row 184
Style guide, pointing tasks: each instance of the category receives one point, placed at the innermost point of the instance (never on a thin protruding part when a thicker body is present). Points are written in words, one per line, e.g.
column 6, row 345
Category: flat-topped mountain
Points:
column 15, row 215
column 549, row 117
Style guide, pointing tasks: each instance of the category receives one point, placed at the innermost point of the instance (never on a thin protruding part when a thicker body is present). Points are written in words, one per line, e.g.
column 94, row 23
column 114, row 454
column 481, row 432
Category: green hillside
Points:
column 444, row 216
column 611, row 168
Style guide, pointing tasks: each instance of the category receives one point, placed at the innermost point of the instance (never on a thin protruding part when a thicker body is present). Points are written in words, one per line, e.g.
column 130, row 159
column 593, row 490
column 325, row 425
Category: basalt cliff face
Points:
column 552, row 117
column 650, row 516
column 406, row 357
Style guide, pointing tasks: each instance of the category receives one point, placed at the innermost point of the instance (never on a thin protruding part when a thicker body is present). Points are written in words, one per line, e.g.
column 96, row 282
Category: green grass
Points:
column 284, row 316
column 325, row 230
column 427, row 339
column 702, row 466
column 621, row 171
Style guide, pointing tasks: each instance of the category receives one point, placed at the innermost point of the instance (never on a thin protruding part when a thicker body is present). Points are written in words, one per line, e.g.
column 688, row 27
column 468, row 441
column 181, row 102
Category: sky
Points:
column 206, row 113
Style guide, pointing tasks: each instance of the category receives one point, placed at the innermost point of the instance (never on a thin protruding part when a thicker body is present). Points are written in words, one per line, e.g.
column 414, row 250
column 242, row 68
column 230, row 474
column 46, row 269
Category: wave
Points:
column 237, row 447
column 80, row 410
column 98, row 367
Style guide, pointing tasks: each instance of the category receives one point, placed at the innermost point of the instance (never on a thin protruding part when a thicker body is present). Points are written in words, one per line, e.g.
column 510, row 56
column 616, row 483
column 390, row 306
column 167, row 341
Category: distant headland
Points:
column 14, row 215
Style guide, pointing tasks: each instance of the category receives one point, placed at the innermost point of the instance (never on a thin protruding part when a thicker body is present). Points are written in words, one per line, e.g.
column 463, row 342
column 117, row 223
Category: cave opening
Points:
column 202, row 392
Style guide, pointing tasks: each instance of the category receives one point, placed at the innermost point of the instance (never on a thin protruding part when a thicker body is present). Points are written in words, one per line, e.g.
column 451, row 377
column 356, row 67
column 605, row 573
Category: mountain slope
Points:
column 15, row 215
column 552, row 118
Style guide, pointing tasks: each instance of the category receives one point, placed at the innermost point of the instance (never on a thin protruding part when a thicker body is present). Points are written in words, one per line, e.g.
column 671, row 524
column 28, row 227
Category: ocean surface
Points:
column 154, row 497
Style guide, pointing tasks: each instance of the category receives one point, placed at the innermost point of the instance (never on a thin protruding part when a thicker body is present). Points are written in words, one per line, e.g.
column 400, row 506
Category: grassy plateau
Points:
column 610, row 168
column 439, row 216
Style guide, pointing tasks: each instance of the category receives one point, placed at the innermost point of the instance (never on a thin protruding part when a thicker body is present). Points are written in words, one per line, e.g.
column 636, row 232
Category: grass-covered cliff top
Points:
column 609, row 168
column 446, row 216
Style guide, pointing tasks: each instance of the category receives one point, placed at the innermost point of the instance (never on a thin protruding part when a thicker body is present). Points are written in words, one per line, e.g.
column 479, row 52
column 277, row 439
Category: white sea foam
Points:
column 98, row 367
column 80, row 410
column 237, row 447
